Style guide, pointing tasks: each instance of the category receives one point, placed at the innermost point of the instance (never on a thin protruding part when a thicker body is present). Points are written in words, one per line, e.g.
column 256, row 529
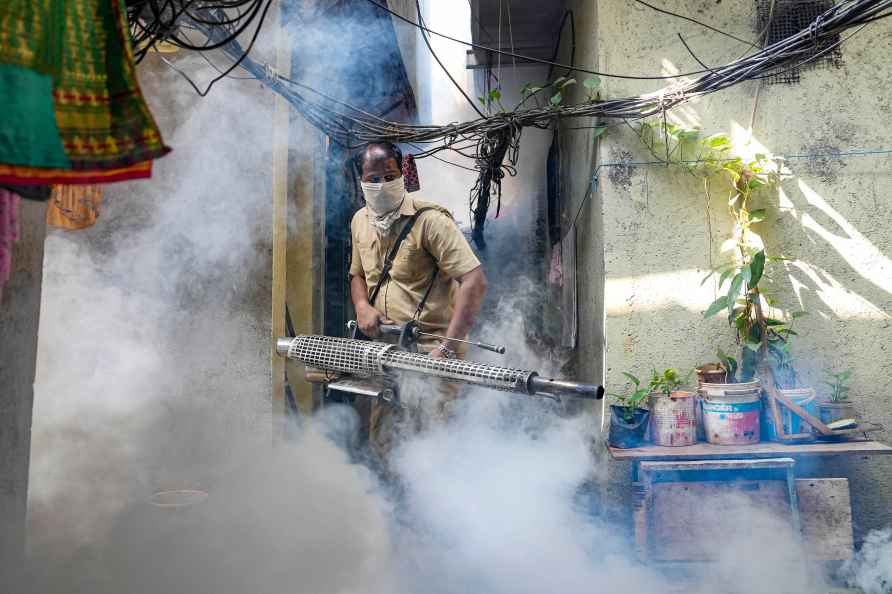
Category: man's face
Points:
column 379, row 167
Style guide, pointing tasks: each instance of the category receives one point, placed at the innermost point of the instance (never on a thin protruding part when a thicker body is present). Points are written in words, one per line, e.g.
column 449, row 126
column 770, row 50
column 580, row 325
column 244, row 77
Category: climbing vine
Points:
column 744, row 299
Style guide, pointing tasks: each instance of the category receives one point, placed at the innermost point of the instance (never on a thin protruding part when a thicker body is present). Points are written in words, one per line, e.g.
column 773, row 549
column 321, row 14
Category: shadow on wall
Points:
column 829, row 217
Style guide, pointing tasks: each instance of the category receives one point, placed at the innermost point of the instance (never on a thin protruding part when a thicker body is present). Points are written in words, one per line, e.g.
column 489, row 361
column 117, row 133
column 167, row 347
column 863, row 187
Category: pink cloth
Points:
column 9, row 232
column 410, row 174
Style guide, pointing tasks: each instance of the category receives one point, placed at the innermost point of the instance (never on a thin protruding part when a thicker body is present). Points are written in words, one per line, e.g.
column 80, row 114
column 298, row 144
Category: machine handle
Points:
column 392, row 329
column 495, row 348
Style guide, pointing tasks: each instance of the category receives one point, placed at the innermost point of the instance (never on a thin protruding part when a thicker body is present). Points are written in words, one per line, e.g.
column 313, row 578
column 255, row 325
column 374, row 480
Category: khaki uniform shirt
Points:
column 434, row 241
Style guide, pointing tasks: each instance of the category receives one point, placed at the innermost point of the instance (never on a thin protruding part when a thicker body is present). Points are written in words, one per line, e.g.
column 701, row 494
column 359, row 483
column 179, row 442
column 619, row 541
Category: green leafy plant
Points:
column 557, row 89
column 559, row 86
column 633, row 398
column 764, row 337
column 839, row 386
column 730, row 365
column 494, row 97
column 668, row 381
column 591, row 85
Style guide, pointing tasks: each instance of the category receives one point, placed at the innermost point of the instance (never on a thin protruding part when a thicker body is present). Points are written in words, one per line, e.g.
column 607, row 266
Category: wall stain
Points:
column 621, row 175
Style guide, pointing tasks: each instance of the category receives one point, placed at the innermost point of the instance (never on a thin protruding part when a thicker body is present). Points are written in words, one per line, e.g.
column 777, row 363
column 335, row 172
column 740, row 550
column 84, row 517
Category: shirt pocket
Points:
column 371, row 264
column 412, row 265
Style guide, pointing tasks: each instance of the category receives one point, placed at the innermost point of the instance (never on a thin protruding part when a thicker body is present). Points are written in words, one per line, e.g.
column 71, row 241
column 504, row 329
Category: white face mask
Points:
column 383, row 200
column 384, row 197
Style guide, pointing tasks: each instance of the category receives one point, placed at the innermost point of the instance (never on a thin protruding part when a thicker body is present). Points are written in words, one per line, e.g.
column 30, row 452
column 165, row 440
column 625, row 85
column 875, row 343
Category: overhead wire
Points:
column 501, row 52
column 493, row 141
column 695, row 21
column 443, row 66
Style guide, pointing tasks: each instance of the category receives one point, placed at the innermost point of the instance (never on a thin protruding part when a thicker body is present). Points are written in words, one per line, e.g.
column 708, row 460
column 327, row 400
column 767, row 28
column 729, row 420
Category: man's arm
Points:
column 367, row 317
column 471, row 289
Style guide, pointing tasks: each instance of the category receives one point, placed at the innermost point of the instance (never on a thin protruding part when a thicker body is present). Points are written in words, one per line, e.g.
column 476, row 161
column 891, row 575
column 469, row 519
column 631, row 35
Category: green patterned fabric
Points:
column 28, row 134
column 74, row 55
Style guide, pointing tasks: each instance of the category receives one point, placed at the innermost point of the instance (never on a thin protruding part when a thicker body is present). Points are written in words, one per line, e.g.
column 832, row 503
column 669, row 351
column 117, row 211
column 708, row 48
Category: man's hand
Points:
column 368, row 318
column 436, row 353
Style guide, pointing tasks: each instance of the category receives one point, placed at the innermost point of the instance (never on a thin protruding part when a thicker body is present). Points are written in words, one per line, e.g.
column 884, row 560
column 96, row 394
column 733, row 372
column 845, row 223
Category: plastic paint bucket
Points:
column 673, row 419
column 805, row 399
column 731, row 413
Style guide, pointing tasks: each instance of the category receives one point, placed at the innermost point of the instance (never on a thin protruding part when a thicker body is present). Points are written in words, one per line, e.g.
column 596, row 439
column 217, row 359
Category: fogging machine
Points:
column 369, row 368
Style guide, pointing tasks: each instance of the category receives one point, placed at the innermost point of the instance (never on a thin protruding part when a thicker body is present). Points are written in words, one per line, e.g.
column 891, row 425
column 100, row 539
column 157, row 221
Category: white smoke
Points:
column 153, row 375
column 492, row 505
column 871, row 568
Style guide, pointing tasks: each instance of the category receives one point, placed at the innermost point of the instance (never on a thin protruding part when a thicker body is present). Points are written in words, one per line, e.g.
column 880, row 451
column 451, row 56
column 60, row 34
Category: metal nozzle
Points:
column 282, row 345
column 541, row 385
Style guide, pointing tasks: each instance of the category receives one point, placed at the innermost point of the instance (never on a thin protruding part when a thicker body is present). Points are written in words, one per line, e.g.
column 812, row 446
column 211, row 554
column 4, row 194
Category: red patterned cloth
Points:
column 410, row 174
column 9, row 232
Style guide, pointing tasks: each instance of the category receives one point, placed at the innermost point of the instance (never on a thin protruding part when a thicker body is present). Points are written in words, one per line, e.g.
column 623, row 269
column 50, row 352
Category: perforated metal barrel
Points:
column 481, row 374
column 365, row 358
column 357, row 357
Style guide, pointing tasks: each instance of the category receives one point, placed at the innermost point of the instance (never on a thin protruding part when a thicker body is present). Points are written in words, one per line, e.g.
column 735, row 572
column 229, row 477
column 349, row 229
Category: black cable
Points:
column 493, row 142
column 529, row 58
column 696, row 22
column 443, row 66
column 693, row 55
column 568, row 15
column 235, row 64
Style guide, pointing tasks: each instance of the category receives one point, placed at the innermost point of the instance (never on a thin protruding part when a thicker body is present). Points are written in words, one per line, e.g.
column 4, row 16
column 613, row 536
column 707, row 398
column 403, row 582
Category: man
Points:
column 435, row 277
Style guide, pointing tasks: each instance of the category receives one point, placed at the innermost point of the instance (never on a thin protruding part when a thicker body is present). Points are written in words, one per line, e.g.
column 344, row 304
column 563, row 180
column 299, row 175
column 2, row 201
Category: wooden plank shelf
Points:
column 707, row 451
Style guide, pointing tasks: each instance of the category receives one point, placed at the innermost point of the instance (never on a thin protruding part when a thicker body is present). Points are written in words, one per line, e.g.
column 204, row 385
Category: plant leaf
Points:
column 556, row 99
column 725, row 276
column 757, row 266
column 758, row 215
column 717, row 141
column 592, row 83
column 598, row 131
column 717, row 306
column 734, row 291
column 632, row 378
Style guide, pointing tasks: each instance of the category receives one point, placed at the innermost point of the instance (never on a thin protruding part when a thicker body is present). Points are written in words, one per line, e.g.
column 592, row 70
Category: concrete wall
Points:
column 660, row 235
column 19, row 320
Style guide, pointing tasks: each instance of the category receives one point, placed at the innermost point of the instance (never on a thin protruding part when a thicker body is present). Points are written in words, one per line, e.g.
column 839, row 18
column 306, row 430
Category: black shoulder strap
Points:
column 388, row 262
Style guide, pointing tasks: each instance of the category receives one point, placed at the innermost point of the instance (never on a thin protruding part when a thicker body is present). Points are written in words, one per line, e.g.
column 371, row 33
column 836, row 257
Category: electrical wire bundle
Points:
column 492, row 141
column 153, row 22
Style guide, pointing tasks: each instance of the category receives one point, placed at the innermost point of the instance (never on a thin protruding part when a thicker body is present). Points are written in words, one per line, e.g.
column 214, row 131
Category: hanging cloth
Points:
column 13, row 175
column 74, row 207
column 410, row 174
column 9, row 233
column 72, row 107
column 36, row 193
